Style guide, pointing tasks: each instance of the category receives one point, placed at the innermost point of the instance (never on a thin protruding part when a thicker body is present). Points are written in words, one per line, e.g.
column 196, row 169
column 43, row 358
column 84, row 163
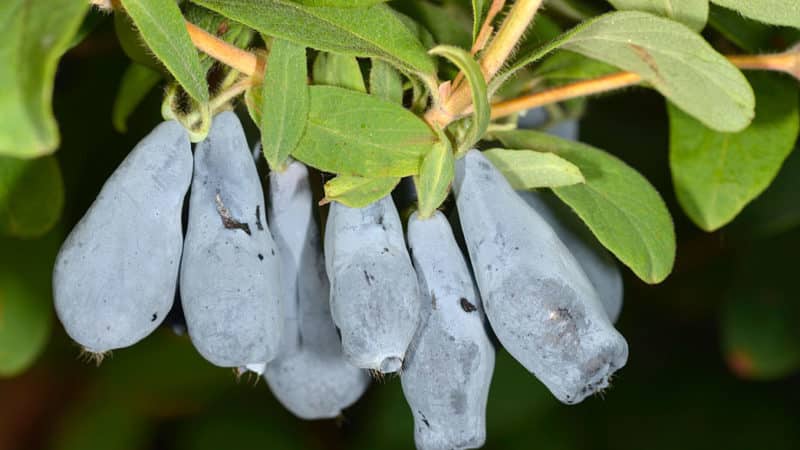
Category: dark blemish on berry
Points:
column 155, row 316
column 424, row 419
column 368, row 277
column 258, row 218
column 273, row 252
column 433, row 300
column 260, row 257
column 227, row 220
column 385, row 250
column 466, row 305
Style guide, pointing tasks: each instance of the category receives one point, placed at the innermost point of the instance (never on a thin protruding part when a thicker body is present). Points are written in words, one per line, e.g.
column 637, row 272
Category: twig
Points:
column 492, row 60
column 788, row 62
column 241, row 60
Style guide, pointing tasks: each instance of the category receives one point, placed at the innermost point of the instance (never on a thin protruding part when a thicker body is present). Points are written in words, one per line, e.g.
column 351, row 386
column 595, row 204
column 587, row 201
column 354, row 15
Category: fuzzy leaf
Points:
column 717, row 174
column 35, row 35
column 480, row 98
column 284, row 108
column 374, row 31
column 775, row 12
column 385, row 82
column 358, row 192
column 435, row 176
column 692, row 13
column 623, row 210
column 164, row 31
column 527, row 169
column 333, row 69
column 350, row 133
column 676, row 61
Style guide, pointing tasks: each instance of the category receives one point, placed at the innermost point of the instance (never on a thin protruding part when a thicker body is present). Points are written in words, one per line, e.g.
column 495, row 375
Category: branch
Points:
column 241, row 60
column 493, row 58
column 788, row 62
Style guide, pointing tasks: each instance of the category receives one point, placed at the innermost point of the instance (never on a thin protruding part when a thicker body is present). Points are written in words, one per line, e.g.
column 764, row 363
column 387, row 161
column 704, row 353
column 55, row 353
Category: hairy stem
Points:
column 788, row 62
column 493, row 58
column 241, row 60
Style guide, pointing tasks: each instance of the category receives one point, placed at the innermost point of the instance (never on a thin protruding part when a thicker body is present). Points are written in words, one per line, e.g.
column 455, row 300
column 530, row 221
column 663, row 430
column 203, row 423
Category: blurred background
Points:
column 714, row 350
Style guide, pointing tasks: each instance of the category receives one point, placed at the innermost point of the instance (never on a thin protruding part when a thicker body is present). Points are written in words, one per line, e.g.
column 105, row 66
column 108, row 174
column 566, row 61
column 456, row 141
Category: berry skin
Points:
column 115, row 276
column 230, row 273
column 595, row 260
column 449, row 366
column 374, row 294
column 540, row 303
column 311, row 376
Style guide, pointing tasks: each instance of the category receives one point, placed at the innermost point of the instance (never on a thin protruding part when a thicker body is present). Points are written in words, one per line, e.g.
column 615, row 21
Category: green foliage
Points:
column 350, row 133
column 31, row 196
column 385, row 82
column 625, row 212
column 25, row 300
column 776, row 12
column 333, row 69
column 358, row 192
column 479, row 10
column 435, row 176
column 717, row 174
column 164, row 31
column 37, row 32
column 136, row 83
column 284, row 108
column 527, row 169
column 673, row 59
column 761, row 320
column 692, row 13
column 477, row 84
column 373, row 31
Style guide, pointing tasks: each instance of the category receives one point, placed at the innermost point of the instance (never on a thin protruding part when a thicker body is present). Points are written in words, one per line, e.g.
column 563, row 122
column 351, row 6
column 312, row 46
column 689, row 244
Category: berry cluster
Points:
column 257, row 292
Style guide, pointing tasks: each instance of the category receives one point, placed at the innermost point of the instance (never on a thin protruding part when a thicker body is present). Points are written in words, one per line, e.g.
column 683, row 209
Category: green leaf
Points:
column 25, row 300
column 341, row 3
column 284, row 108
column 333, row 69
column 761, row 320
column 137, row 82
column 716, row 174
column 446, row 23
column 358, row 192
column 692, row 13
column 623, row 210
column 568, row 66
column 133, row 45
column 479, row 8
column 35, row 35
column 747, row 34
column 776, row 12
column 164, row 31
column 31, row 196
column 527, row 169
column 480, row 98
column 673, row 59
column 350, row 133
column 385, row 82
column 375, row 31
column 435, row 176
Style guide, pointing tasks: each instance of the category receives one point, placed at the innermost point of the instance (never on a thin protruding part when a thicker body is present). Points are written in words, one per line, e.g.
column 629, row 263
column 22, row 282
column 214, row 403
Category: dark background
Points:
column 713, row 350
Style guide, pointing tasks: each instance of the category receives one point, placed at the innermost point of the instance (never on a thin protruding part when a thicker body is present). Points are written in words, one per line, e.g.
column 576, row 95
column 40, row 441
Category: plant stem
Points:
column 788, row 62
column 569, row 91
column 241, row 60
column 493, row 58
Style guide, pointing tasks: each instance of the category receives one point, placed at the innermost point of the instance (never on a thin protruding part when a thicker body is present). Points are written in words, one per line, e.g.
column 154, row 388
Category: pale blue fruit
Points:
column 230, row 272
column 115, row 276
